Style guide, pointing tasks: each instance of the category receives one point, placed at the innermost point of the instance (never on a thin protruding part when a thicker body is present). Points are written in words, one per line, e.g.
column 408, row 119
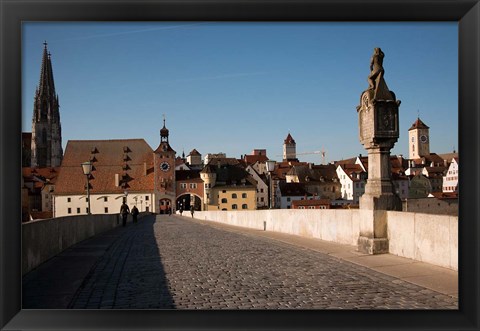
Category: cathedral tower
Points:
column 418, row 140
column 46, row 129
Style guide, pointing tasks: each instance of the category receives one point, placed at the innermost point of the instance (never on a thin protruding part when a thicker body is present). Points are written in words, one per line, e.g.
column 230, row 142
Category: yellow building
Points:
column 228, row 186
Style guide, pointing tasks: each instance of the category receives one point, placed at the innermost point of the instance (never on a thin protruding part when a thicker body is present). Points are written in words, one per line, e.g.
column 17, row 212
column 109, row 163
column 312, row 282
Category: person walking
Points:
column 181, row 211
column 134, row 214
column 192, row 210
column 124, row 210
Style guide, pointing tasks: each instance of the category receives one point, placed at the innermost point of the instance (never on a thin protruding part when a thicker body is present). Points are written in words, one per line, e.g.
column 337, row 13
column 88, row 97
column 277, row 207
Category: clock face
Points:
column 164, row 166
column 423, row 138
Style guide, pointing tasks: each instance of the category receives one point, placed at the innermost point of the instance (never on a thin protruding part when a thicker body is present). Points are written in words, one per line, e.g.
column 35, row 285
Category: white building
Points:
column 450, row 180
column 122, row 169
column 353, row 179
column 262, row 187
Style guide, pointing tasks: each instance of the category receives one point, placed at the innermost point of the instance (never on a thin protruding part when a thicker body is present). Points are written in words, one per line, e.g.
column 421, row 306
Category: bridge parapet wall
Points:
column 423, row 237
column 43, row 239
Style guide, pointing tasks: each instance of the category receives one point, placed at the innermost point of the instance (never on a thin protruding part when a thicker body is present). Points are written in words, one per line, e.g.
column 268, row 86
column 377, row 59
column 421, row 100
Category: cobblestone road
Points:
column 172, row 262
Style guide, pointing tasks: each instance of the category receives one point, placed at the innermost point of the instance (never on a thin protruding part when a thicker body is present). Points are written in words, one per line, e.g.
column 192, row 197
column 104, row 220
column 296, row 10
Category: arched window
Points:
column 234, row 195
column 234, row 206
column 244, row 206
column 224, row 200
column 244, row 195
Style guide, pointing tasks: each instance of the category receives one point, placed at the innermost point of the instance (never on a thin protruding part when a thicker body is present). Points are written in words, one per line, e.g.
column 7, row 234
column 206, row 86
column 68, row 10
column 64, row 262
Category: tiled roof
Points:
column 108, row 159
column 315, row 173
column 418, row 124
column 194, row 152
column 251, row 159
column 293, row 189
column 289, row 140
column 181, row 175
column 282, row 168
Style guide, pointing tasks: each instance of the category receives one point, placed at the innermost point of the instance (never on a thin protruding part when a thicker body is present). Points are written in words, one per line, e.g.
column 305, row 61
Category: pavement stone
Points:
column 174, row 262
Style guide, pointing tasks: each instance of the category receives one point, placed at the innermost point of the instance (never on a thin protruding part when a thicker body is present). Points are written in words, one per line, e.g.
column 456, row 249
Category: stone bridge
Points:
column 175, row 262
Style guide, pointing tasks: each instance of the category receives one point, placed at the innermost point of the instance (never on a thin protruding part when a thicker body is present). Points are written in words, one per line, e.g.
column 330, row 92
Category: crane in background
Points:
column 323, row 153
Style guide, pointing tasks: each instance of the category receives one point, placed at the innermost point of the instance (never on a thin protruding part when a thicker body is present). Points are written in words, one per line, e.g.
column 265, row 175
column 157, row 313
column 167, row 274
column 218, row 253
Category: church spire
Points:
column 46, row 84
column 46, row 129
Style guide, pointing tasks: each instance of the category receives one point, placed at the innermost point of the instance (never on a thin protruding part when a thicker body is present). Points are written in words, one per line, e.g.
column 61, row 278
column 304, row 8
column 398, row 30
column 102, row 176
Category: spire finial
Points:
column 45, row 43
column 163, row 119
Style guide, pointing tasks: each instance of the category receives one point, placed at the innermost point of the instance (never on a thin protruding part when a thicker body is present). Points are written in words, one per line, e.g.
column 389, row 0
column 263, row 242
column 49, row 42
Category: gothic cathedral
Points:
column 164, row 169
column 46, row 145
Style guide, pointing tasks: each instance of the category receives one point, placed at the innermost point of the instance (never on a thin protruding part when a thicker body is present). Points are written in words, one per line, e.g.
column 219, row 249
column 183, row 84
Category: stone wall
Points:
column 422, row 237
column 431, row 206
column 44, row 239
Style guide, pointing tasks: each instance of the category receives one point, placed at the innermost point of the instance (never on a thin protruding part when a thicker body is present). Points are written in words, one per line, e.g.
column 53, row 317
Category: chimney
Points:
column 117, row 180
column 144, row 168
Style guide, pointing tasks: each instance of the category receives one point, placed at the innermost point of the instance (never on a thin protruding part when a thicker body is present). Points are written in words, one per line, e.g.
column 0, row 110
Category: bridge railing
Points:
column 44, row 239
column 423, row 237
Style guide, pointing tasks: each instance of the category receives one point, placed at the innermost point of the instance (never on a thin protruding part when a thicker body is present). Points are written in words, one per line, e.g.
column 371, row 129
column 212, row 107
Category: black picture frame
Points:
column 14, row 12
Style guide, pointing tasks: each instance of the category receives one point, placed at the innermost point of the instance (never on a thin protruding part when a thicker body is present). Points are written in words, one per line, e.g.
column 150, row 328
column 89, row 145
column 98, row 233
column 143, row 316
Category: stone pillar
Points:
column 379, row 131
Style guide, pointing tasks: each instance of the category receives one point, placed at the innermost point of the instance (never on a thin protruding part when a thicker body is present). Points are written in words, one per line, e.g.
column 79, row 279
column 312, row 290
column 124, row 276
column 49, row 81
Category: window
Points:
column 244, row 195
column 234, row 195
column 288, row 199
column 234, row 206
column 87, row 199
column 69, row 210
column 105, row 199
column 78, row 210
column 193, row 185
column 86, row 210
column 311, row 207
column 262, row 199
column 224, row 191
column 146, row 198
column 106, row 210
column 183, row 185
column 69, row 199
column 244, row 206
column 261, row 190
column 224, row 200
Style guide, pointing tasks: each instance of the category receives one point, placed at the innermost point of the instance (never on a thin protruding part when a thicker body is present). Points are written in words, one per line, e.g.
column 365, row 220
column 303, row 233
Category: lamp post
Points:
column 270, row 166
column 87, row 169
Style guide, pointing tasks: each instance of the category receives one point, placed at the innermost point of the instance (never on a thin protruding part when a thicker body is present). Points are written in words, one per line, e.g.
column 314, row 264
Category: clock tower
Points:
column 164, row 170
column 418, row 140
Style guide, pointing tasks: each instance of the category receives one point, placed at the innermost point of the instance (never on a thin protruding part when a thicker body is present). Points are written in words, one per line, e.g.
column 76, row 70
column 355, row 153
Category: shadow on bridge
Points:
column 120, row 268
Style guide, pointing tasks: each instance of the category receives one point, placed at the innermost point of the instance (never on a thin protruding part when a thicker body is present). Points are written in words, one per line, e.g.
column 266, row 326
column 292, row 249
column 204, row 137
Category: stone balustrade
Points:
column 44, row 239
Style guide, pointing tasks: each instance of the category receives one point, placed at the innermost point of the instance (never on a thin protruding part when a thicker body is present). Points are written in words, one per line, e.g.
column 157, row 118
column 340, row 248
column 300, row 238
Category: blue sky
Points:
column 234, row 87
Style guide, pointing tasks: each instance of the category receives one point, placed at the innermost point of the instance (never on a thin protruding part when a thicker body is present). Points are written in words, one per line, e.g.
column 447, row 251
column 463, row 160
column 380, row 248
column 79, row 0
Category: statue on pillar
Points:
column 376, row 68
column 378, row 133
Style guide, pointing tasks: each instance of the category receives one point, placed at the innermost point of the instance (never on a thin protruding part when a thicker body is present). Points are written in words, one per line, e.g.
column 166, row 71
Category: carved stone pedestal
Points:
column 378, row 123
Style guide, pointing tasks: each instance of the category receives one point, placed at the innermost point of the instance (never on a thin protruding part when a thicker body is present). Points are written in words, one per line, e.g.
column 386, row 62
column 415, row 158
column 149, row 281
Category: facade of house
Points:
column 289, row 192
column 228, row 186
column 311, row 204
column 262, row 187
column 122, row 170
column 189, row 190
column 38, row 188
column 319, row 180
column 450, row 180
column 353, row 179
